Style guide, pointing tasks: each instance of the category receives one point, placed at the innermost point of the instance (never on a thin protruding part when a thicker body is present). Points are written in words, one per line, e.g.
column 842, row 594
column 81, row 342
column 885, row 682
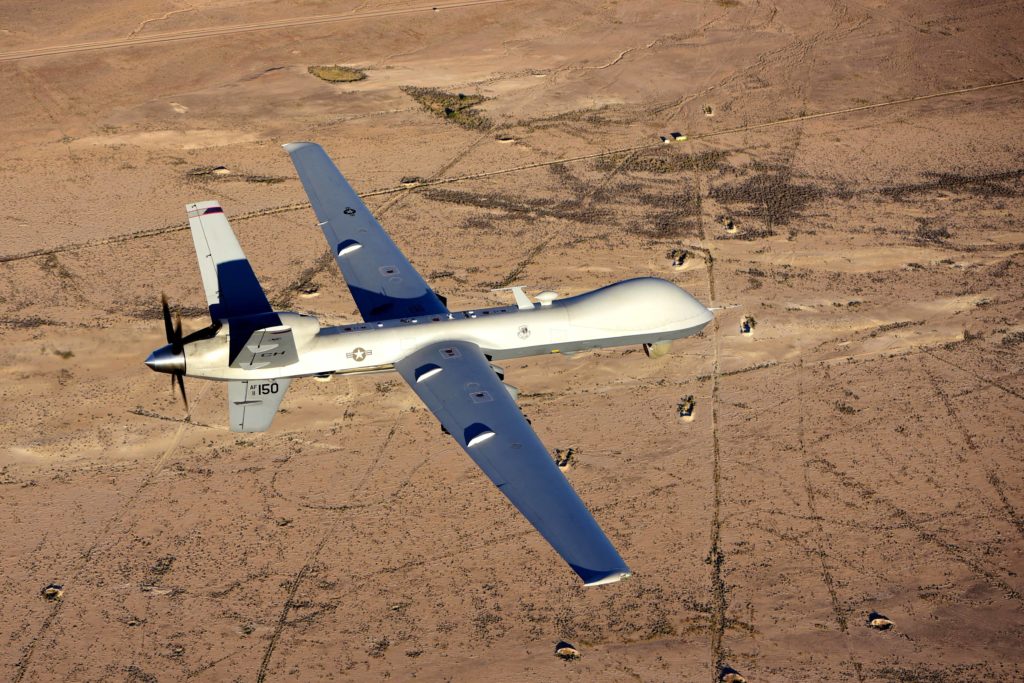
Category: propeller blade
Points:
column 181, row 385
column 168, row 327
column 176, row 343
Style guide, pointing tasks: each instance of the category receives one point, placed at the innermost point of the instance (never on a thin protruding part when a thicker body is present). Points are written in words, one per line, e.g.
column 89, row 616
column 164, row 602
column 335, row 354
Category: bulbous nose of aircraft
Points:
column 167, row 359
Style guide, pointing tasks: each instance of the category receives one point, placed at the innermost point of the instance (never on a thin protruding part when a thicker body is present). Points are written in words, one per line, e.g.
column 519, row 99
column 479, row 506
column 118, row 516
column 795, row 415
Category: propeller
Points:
column 171, row 358
column 174, row 339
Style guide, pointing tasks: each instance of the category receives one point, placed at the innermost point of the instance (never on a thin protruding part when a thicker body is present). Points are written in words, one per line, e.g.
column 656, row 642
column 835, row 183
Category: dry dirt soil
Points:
column 859, row 452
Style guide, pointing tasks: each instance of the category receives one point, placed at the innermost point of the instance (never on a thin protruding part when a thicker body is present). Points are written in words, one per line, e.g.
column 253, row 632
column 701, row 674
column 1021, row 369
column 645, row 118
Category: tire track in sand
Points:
column 819, row 537
column 716, row 556
column 177, row 227
column 976, row 565
column 991, row 475
column 26, row 658
column 220, row 31
column 300, row 577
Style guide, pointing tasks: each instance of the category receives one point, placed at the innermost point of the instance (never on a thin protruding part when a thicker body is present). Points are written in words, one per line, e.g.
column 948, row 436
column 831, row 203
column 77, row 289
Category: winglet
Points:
column 291, row 147
column 599, row 578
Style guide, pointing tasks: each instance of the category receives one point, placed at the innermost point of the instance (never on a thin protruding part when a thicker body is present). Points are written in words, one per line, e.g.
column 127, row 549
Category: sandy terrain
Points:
column 859, row 452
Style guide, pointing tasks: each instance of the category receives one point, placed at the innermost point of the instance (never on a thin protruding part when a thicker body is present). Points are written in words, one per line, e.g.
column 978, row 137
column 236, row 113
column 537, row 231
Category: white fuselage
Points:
column 639, row 311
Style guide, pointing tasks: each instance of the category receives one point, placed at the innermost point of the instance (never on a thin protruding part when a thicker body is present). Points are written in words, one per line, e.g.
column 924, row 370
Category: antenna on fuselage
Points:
column 519, row 292
column 545, row 298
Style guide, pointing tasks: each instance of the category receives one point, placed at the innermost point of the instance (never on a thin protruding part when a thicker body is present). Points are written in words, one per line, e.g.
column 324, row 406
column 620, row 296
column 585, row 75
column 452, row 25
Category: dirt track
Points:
column 218, row 31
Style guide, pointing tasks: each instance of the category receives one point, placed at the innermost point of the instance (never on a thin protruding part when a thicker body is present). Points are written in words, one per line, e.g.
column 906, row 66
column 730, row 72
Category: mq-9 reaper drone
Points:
column 444, row 356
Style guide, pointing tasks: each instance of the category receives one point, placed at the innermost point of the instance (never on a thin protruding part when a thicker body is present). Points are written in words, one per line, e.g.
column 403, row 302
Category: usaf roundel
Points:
column 358, row 354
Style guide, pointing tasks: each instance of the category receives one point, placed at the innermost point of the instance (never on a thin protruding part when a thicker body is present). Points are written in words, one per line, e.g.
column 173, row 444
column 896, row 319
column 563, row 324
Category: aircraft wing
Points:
column 382, row 281
column 457, row 383
column 231, row 287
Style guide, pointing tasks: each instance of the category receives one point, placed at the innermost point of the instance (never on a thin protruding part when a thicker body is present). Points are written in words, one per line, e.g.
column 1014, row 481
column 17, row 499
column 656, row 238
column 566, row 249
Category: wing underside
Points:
column 457, row 383
column 382, row 281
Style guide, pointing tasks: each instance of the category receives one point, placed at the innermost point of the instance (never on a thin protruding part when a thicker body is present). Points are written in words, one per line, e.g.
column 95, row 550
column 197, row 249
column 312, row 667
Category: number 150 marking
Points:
column 266, row 389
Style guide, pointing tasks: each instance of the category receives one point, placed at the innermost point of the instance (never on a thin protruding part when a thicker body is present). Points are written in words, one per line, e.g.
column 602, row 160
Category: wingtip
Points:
column 194, row 209
column 592, row 577
column 292, row 147
column 613, row 577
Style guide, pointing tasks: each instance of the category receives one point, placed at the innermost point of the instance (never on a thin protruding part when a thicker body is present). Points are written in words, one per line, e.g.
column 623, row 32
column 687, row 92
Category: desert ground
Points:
column 859, row 452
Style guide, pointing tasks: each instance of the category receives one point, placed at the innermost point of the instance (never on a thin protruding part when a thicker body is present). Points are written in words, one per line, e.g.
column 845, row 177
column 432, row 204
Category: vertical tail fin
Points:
column 252, row 404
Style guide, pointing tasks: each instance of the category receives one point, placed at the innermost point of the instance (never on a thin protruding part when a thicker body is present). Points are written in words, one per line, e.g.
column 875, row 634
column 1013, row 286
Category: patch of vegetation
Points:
column 666, row 224
column 678, row 256
column 379, row 647
column 518, row 207
column 589, row 116
column 752, row 368
column 926, row 232
column 662, row 161
column 565, row 458
column 224, row 173
column 684, row 198
column 29, row 323
column 1003, row 268
column 845, row 408
column 989, row 185
column 52, row 265
column 457, row 108
column 889, row 327
column 748, row 235
column 661, row 627
column 200, row 171
column 1012, row 339
column 337, row 74
column 673, row 212
column 137, row 675
column 957, row 673
column 771, row 194
column 163, row 565
column 64, row 354
column 685, row 406
column 441, row 274
column 569, row 179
